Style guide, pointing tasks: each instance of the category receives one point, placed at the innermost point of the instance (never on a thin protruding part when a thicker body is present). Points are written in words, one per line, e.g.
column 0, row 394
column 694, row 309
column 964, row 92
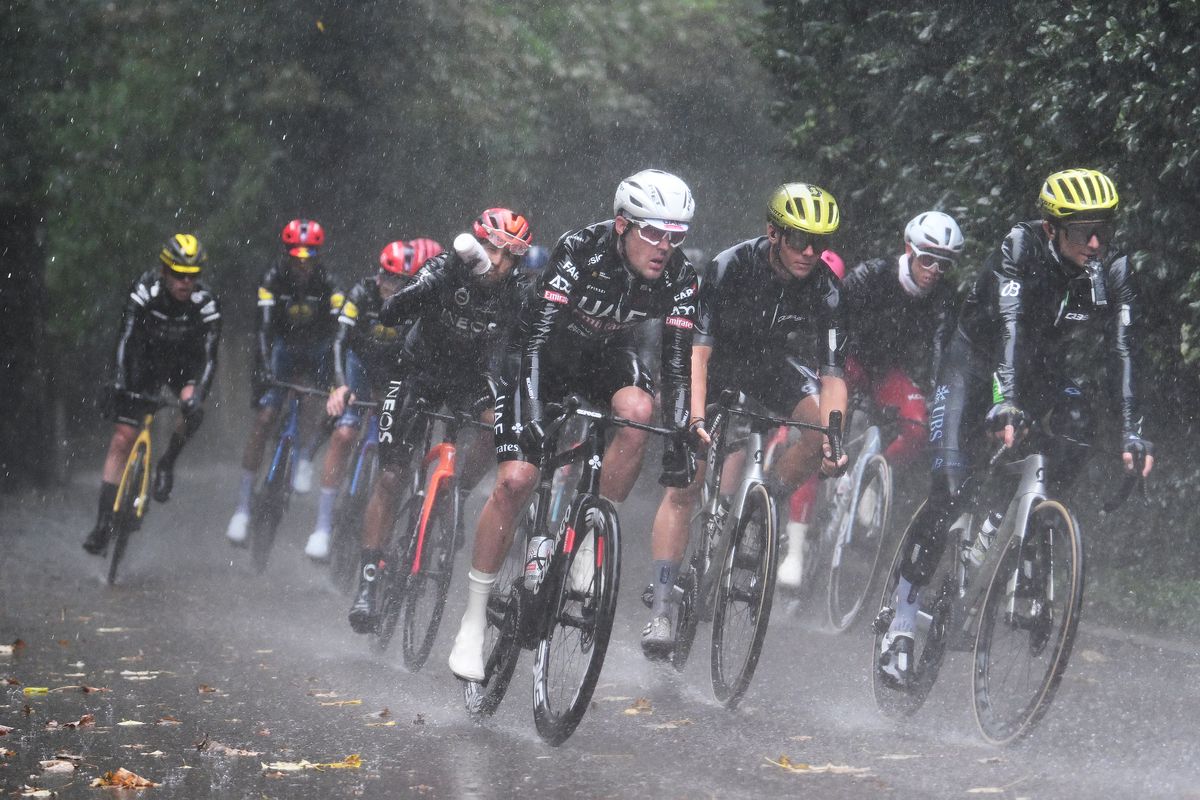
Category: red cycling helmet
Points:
column 504, row 228
column 303, row 233
column 405, row 258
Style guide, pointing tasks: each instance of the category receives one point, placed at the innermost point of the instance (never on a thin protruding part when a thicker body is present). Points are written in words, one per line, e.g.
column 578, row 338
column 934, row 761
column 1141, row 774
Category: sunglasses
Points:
column 926, row 259
column 799, row 241
column 505, row 241
column 654, row 236
column 1080, row 233
column 184, row 277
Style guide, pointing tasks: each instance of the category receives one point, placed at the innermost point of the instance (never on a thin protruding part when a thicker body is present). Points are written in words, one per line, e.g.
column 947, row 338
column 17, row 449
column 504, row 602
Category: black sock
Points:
column 167, row 461
column 371, row 556
column 108, row 496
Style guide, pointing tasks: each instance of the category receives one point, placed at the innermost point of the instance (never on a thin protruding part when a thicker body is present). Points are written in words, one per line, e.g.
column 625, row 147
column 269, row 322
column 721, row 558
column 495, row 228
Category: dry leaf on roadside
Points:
column 5, row 730
column 640, row 706
column 349, row 762
column 832, row 769
column 899, row 756
column 83, row 722
column 991, row 760
column 33, row 791
column 343, row 703
column 130, row 723
column 670, row 725
column 156, row 754
column 81, row 688
column 31, row 690
column 57, row 765
column 6, row 753
column 391, row 723
column 9, row 649
column 217, row 748
column 167, row 721
column 123, row 779
column 10, row 681
column 205, row 689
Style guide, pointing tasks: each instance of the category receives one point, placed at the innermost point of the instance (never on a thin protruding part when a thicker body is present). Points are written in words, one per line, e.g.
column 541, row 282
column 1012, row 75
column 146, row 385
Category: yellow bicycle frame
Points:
column 142, row 440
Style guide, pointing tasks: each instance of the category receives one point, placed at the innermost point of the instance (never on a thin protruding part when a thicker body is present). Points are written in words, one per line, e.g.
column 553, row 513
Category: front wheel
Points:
column 744, row 593
column 1028, row 624
column 126, row 517
column 398, row 565
column 429, row 581
column 579, row 617
column 859, row 542
column 269, row 505
column 347, row 526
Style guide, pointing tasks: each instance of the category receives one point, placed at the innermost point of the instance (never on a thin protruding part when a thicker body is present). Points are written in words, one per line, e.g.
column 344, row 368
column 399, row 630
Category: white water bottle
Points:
column 472, row 253
column 537, row 557
column 983, row 540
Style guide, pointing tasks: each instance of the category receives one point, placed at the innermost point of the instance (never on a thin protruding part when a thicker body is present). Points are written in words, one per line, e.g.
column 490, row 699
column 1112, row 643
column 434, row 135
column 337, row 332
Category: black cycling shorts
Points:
column 778, row 382
column 147, row 372
column 400, row 429
column 594, row 379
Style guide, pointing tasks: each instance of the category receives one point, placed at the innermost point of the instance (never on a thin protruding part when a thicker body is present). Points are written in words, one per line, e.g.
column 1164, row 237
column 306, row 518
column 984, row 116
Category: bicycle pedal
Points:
column 648, row 595
column 883, row 620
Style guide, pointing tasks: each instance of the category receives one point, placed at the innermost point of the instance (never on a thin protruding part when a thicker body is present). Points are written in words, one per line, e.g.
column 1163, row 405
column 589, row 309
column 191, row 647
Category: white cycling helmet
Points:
column 936, row 233
column 656, row 197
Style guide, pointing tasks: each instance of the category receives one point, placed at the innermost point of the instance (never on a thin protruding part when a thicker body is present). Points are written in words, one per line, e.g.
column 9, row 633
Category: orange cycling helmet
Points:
column 405, row 258
column 505, row 229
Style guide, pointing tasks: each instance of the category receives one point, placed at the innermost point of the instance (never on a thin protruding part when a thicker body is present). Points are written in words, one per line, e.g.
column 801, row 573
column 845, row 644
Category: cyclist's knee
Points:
column 515, row 482
column 388, row 481
column 343, row 435
column 634, row 404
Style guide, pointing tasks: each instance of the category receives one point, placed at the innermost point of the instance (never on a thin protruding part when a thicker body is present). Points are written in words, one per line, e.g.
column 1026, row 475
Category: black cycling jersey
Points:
column 377, row 345
column 893, row 328
column 749, row 314
column 297, row 312
column 460, row 321
column 1026, row 305
column 155, row 326
column 588, row 302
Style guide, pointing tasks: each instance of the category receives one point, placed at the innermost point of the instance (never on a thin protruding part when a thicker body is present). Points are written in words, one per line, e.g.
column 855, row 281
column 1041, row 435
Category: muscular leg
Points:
column 515, row 482
column 623, row 458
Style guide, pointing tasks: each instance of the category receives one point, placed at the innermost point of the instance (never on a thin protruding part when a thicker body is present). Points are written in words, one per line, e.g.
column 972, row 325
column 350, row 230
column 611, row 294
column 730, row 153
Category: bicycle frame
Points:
column 141, row 442
column 289, row 433
column 369, row 442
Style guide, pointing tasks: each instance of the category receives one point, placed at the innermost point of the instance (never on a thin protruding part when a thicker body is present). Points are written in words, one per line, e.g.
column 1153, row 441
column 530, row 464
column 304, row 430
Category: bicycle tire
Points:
column 397, row 566
column 745, row 591
column 1029, row 618
column 268, row 509
column 578, row 620
column 929, row 648
column 425, row 591
column 125, row 517
column 347, row 527
column 855, row 558
column 506, row 622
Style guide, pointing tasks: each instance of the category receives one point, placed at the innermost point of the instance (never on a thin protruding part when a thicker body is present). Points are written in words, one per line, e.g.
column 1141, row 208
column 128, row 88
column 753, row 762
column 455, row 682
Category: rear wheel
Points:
column 581, row 607
column 126, row 517
column 426, row 588
column 269, row 506
column 398, row 566
column 745, row 590
column 929, row 645
column 856, row 551
column 1028, row 623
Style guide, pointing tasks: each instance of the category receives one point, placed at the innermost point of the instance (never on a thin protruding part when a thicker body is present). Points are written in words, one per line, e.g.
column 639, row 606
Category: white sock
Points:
column 479, row 587
column 246, row 490
column 906, row 612
column 325, row 508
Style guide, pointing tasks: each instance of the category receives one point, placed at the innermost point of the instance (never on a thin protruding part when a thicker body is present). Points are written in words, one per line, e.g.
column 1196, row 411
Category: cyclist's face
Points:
column 390, row 283
column 792, row 262
column 646, row 259
column 1080, row 242
column 502, row 262
column 178, row 285
column 925, row 268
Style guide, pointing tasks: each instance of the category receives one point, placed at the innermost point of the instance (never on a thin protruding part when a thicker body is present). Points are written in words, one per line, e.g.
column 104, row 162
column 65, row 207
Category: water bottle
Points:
column 537, row 557
column 983, row 540
column 472, row 254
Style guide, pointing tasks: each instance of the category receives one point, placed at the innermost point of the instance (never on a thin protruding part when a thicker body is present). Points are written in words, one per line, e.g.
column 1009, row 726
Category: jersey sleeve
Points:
column 210, row 315
column 556, row 291
column 132, row 317
column 406, row 304
column 832, row 314
column 1123, row 342
column 1006, row 279
column 677, row 338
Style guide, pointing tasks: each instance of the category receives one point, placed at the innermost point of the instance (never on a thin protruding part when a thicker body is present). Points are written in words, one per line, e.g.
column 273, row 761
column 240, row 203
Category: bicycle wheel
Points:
column 745, row 590
column 506, row 623
column 269, row 506
column 1028, row 623
column 347, row 526
column 426, row 589
column 688, row 589
column 398, row 566
column 125, row 519
column 929, row 645
column 579, row 617
column 855, row 556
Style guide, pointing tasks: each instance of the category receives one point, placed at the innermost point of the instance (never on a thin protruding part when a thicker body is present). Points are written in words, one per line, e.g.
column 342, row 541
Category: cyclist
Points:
column 1053, row 287
column 169, row 333
column 462, row 303
column 903, row 314
column 364, row 351
column 772, row 326
column 298, row 308
column 576, row 335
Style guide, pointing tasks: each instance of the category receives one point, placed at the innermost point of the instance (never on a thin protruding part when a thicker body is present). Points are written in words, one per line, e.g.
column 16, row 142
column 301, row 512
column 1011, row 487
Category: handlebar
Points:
column 469, row 417
column 160, row 400
column 732, row 402
column 557, row 414
column 297, row 388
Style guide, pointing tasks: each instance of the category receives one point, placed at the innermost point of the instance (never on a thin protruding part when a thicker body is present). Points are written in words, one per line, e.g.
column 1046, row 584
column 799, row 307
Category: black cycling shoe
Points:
column 97, row 541
column 363, row 616
column 164, row 481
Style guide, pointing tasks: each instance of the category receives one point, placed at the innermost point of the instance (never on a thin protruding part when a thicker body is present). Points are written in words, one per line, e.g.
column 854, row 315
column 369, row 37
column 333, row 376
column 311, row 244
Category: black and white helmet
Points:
column 936, row 233
column 656, row 197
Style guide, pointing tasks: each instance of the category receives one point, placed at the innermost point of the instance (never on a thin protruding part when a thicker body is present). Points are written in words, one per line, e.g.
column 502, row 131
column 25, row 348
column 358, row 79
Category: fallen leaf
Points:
column 263, row 732
column 343, row 703
column 670, row 725
column 83, row 722
column 32, row 690
column 204, row 689
column 640, row 706
column 420, row 720
column 6, row 753
column 130, row 723
column 349, row 762
column 384, row 714
column 64, row 642
column 986, row 790
column 10, row 681
column 5, row 730
column 33, row 791
column 391, row 723
column 167, row 721
column 57, row 765
column 156, row 754
column 991, row 760
column 111, row 630
column 1093, row 657
column 81, row 688
column 123, row 779
column 9, row 649
column 899, row 756
column 68, row 756
column 208, row 746
column 140, row 674
column 831, row 769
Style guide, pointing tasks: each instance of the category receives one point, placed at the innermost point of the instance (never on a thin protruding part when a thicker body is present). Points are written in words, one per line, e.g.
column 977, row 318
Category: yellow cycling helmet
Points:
column 183, row 254
column 803, row 207
column 1078, row 192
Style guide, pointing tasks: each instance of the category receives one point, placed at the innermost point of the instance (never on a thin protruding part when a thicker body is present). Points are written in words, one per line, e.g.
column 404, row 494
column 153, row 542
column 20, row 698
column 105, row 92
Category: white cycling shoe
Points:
column 236, row 532
column 318, row 545
column 303, row 478
column 466, row 657
column 791, row 569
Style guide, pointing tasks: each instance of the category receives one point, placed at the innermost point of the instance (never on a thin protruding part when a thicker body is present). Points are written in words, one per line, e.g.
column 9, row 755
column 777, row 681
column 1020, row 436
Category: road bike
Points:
column 132, row 502
column 420, row 558
column 1018, row 608
column 733, row 547
column 271, row 500
column 567, row 618
column 345, row 545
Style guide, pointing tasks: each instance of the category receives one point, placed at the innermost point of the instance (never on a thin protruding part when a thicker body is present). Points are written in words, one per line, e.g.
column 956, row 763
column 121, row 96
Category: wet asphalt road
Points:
column 193, row 646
